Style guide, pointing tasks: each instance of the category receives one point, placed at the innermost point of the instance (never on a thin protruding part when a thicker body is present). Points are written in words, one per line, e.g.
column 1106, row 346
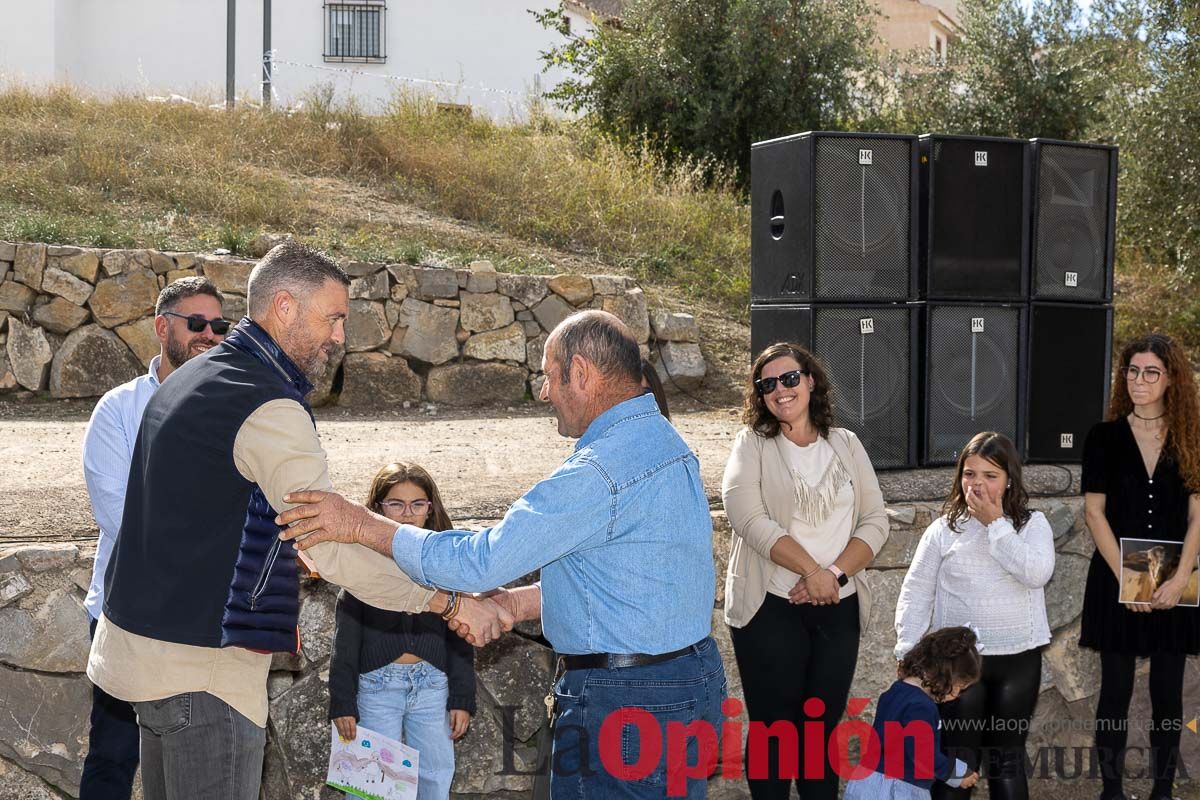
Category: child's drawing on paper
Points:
column 372, row 766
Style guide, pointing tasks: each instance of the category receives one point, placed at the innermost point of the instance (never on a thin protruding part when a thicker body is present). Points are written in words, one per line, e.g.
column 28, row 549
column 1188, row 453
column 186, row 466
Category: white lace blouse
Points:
column 988, row 578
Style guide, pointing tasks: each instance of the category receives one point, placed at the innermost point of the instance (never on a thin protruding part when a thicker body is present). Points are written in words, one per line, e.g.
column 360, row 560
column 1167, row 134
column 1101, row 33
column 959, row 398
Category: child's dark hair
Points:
column 942, row 660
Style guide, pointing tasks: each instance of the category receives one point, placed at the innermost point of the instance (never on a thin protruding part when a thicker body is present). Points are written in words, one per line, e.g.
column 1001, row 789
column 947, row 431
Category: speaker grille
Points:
column 1072, row 222
column 862, row 218
column 870, row 376
column 972, row 381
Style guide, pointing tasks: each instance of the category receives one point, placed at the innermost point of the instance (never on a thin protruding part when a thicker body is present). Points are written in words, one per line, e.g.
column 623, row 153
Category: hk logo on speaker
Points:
column 866, row 326
column 1072, row 279
column 981, row 158
column 1066, row 440
column 976, row 324
column 865, row 157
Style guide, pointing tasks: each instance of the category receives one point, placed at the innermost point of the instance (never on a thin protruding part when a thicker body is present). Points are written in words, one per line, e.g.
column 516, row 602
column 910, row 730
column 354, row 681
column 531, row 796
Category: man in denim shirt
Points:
column 623, row 537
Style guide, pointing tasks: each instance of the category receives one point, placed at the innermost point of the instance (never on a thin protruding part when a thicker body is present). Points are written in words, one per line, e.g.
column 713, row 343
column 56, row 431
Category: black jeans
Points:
column 112, row 758
column 988, row 724
column 787, row 654
column 1166, row 708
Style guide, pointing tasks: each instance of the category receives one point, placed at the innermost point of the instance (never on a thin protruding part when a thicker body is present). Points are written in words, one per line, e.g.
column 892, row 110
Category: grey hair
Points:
column 182, row 289
column 293, row 267
column 602, row 339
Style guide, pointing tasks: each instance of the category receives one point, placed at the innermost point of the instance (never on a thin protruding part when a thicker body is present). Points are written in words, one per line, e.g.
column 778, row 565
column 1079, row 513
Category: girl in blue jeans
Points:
column 407, row 676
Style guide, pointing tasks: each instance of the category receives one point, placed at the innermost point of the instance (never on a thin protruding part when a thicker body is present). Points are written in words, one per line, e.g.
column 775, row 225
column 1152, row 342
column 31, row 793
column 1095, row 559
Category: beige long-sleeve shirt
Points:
column 277, row 448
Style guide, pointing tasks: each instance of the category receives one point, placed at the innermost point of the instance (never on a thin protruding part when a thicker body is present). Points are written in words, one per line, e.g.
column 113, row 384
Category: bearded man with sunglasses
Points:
column 187, row 322
column 200, row 590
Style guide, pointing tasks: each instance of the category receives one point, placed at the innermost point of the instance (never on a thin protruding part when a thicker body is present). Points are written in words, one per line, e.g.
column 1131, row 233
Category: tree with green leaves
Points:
column 704, row 79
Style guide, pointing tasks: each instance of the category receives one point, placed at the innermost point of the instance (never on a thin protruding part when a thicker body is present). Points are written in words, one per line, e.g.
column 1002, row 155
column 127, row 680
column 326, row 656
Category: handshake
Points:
column 481, row 618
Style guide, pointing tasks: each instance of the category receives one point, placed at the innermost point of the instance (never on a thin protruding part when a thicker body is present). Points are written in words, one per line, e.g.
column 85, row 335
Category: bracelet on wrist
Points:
column 809, row 575
column 451, row 607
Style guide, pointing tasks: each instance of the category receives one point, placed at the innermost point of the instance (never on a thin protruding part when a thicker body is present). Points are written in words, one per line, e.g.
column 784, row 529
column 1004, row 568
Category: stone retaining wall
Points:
column 44, row 697
column 74, row 322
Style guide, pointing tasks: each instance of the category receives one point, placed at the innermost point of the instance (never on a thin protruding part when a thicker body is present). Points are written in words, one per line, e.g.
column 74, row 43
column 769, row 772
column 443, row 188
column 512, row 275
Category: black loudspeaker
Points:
column 832, row 218
column 1070, row 359
column 974, row 218
column 1074, row 220
column 870, row 354
column 974, row 375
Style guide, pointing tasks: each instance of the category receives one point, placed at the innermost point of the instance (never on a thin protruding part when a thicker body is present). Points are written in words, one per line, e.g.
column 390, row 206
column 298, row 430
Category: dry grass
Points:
column 534, row 197
column 126, row 171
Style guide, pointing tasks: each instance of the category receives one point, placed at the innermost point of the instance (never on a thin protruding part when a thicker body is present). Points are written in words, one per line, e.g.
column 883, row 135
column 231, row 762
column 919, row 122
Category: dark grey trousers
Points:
column 197, row 747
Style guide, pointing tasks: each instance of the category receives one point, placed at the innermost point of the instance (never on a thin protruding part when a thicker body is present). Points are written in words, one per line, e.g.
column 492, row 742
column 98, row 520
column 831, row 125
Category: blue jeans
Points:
column 685, row 690
column 112, row 758
column 407, row 702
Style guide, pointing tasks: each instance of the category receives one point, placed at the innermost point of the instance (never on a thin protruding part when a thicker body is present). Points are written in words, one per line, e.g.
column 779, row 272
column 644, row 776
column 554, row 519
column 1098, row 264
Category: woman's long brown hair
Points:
column 820, row 402
column 997, row 449
column 399, row 472
column 1182, row 439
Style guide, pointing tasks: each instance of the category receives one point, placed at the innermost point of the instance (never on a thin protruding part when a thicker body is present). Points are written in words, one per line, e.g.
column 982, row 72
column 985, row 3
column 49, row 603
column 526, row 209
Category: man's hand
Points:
column 323, row 517
column 480, row 621
column 346, row 727
column 970, row 780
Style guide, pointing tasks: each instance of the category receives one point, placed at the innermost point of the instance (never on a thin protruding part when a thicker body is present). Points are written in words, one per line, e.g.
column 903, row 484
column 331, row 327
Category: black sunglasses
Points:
column 790, row 380
column 197, row 323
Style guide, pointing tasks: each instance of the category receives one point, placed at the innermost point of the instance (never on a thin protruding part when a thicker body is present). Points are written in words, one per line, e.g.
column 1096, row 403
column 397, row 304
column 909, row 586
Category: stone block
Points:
column 141, row 338
column 433, row 283
column 370, row 287
column 179, row 274
column 8, row 251
column 575, row 289
column 668, row 327
column 426, row 332
column 527, row 290
column 16, row 297
column 476, row 384
column 551, row 311
column 51, row 638
column 29, row 264
column 65, row 285
column 485, row 312
column 265, row 242
column 506, row 344
column 680, row 365
column 84, row 264
column 229, row 275
column 610, row 284
column 29, row 354
column 535, row 348
column 124, row 298
column 482, row 278
column 60, row 316
column 377, row 380
column 630, row 308
column 367, row 326
column 118, row 262
column 44, row 726
column 90, row 362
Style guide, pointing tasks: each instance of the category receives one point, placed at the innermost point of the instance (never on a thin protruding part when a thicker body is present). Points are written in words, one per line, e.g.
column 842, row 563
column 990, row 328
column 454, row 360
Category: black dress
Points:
column 1137, row 506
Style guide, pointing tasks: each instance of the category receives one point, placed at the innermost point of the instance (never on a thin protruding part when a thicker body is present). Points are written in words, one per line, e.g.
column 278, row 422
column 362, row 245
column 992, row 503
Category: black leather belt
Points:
column 618, row 660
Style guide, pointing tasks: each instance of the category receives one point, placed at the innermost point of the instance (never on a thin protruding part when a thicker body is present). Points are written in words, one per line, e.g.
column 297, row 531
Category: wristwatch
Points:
column 842, row 578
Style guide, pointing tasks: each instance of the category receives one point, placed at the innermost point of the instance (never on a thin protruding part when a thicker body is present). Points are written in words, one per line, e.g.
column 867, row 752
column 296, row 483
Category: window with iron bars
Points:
column 356, row 32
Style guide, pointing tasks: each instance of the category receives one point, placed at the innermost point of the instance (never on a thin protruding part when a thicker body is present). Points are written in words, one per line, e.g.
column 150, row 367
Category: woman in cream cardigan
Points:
column 807, row 518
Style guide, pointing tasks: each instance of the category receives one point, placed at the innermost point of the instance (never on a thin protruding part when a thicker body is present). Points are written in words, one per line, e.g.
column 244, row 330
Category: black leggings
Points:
column 987, row 725
column 1166, row 708
column 785, row 655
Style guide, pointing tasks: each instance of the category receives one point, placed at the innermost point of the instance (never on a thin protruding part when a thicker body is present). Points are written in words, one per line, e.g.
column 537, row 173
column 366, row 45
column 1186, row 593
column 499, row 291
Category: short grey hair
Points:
column 602, row 339
column 184, row 288
column 293, row 267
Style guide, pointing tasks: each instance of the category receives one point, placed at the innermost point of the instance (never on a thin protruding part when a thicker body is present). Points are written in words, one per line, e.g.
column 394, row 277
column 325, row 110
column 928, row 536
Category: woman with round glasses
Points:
column 807, row 518
column 1141, row 475
column 406, row 676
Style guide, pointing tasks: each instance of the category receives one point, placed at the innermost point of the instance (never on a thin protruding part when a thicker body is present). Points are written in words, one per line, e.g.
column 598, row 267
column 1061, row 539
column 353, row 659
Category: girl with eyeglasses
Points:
column 807, row 518
column 983, row 563
column 1141, row 475
column 406, row 676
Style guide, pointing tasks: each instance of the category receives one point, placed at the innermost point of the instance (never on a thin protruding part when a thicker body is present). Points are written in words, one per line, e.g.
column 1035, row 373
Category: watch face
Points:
column 843, row 579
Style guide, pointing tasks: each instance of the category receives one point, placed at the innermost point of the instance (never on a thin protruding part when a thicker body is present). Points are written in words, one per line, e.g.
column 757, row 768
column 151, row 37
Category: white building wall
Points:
column 158, row 47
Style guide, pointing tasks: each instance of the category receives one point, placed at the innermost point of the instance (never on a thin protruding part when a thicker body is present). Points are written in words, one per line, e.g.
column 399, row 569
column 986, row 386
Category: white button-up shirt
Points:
column 107, row 452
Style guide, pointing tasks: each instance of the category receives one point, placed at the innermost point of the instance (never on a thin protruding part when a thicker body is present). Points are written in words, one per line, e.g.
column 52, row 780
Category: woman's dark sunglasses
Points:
column 790, row 380
column 197, row 324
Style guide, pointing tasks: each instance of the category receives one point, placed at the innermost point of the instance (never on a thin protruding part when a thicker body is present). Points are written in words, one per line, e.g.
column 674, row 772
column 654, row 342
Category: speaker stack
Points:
column 950, row 284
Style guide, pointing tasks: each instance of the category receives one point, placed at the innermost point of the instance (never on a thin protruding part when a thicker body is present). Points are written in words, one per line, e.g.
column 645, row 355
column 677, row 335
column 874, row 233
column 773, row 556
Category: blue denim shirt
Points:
column 621, row 532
